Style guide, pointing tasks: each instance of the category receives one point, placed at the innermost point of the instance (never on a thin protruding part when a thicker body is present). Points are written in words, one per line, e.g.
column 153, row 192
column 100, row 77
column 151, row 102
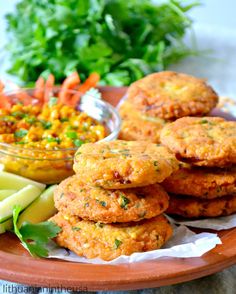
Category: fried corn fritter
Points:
column 137, row 126
column 107, row 242
column 109, row 206
column 192, row 207
column 204, row 183
column 206, row 141
column 171, row 95
column 122, row 164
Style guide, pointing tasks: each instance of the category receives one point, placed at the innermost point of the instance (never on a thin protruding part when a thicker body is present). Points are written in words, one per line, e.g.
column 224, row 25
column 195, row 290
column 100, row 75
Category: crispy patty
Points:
column 109, row 206
column 206, row 141
column 202, row 182
column 107, row 242
column 192, row 207
column 171, row 95
column 122, row 164
column 137, row 126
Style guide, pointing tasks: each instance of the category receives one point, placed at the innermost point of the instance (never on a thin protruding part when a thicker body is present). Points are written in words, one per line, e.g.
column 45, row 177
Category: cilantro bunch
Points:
column 122, row 40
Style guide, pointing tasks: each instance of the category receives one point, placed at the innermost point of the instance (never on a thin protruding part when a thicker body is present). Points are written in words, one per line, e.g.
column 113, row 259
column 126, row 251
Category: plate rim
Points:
column 44, row 272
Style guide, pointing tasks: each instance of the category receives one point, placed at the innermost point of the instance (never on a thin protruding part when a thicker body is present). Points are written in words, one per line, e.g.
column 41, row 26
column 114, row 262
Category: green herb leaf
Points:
column 46, row 124
column 76, row 229
column 72, row 135
column 78, row 143
column 35, row 237
column 52, row 101
column 52, row 139
column 124, row 201
column 21, row 133
column 117, row 243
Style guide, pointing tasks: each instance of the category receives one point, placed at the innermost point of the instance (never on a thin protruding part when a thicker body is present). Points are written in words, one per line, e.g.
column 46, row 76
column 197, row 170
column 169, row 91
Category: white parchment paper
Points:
column 183, row 244
column 219, row 223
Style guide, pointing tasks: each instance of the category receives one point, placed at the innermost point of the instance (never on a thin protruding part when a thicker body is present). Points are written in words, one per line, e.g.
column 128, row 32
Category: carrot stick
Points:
column 49, row 87
column 39, row 89
column 69, row 84
column 91, row 82
column 4, row 102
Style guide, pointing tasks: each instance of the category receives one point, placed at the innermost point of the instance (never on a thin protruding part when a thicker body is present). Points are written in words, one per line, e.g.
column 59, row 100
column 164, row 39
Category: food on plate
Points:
column 6, row 193
column 192, row 207
column 40, row 209
column 137, row 126
column 109, row 206
column 123, row 164
column 51, row 126
column 22, row 197
column 201, row 182
column 206, row 141
column 41, row 128
column 11, row 181
column 171, row 95
column 108, row 241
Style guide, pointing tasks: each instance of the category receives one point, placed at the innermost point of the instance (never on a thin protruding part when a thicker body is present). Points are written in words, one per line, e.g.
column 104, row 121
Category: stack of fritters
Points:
column 206, row 185
column 161, row 98
column 113, row 205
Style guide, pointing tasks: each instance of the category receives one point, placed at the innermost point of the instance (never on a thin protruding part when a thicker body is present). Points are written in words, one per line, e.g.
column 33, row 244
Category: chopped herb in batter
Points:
column 124, row 201
column 117, row 243
column 76, row 229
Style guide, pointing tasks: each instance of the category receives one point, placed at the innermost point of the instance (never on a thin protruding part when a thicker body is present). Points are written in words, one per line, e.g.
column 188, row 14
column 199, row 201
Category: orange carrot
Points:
column 49, row 87
column 39, row 89
column 1, row 86
column 69, row 84
column 91, row 82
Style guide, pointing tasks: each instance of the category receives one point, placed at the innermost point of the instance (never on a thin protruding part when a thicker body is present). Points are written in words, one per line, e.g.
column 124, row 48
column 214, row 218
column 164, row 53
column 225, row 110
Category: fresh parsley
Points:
column 21, row 133
column 121, row 40
column 35, row 237
column 117, row 243
column 46, row 124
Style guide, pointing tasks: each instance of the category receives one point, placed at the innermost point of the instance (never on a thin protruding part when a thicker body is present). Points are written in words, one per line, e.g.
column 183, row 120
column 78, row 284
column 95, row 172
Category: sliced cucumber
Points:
column 11, row 181
column 23, row 198
column 6, row 193
column 41, row 209
column 6, row 226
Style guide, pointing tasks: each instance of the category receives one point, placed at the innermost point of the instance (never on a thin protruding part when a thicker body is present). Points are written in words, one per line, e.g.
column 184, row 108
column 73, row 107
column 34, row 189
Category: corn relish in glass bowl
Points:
column 38, row 141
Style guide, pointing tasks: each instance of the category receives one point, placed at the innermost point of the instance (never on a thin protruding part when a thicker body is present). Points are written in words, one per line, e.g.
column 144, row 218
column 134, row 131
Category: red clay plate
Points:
column 16, row 265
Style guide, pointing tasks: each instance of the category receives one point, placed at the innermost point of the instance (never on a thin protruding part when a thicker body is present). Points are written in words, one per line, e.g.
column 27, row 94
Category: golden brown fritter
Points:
column 171, row 95
column 139, row 127
column 124, row 164
column 202, row 182
column 107, row 242
column 109, row 206
column 206, row 141
column 192, row 207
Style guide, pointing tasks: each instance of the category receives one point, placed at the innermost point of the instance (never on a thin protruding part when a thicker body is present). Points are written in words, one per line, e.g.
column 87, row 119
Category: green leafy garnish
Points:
column 18, row 114
column 21, row 133
column 76, row 229
column 121, row 40
column 124, row 201
column 35, row 237
column 78, row 143
column 52, row 139
column 46, row 124
column 117, row 243
column 52, row 101
column 72, row 135
column 30, row 119
column 64, row 119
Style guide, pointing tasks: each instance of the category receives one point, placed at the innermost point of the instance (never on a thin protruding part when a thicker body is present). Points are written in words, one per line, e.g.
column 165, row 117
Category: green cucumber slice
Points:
column 12, row 181
column 23, row 198
column 6, row 193
column 6, row 226
column 41, row 209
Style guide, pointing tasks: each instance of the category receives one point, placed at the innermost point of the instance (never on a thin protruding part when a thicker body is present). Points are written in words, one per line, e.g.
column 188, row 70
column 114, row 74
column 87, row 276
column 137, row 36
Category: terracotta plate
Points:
column 16, row 265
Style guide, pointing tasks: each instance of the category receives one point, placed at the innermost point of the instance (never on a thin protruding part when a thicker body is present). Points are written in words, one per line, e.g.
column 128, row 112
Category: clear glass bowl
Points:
column 52, row 166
